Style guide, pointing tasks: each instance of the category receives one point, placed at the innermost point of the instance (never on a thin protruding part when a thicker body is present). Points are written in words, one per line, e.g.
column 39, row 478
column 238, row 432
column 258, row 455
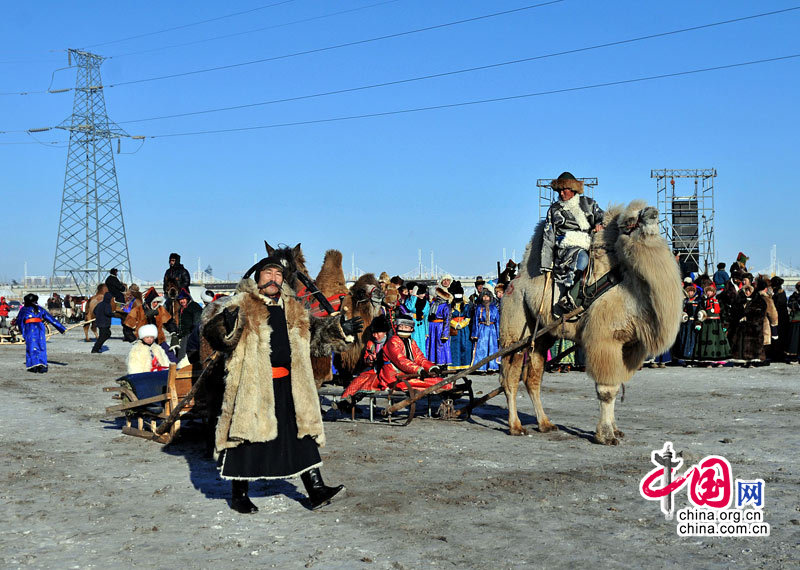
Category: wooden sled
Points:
column 446, row 398
column 155, row 403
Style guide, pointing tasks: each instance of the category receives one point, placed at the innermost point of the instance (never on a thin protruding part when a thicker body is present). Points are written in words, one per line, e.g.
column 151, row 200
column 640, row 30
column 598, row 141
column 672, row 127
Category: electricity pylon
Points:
column 91, row 231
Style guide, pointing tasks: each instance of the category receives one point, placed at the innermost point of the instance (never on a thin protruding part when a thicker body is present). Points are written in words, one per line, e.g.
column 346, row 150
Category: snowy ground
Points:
column 77, row 493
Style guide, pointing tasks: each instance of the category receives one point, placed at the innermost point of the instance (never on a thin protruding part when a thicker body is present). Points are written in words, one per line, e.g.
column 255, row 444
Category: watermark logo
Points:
column 710, row 490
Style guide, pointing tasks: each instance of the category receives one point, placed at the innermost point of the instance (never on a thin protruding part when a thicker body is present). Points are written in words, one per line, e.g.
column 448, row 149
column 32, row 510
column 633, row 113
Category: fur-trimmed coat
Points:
column 248, row 402
column 140, row 358
column 568, row 224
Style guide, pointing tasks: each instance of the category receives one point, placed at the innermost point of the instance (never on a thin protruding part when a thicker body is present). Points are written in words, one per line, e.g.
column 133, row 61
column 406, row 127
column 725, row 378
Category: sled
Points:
column 447, row 399
column 155, row 403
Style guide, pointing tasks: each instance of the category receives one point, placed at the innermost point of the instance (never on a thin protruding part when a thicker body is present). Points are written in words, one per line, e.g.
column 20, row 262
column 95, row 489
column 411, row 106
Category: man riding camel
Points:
column 567, row 236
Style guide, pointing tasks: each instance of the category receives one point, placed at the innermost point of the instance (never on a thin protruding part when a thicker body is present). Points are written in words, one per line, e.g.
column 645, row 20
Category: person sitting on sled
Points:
column 401, row 355
column 146, row 355
column 367, row 381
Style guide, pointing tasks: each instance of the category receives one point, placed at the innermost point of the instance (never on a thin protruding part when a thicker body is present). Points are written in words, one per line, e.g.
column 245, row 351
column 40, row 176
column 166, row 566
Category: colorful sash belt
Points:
column 279, row 372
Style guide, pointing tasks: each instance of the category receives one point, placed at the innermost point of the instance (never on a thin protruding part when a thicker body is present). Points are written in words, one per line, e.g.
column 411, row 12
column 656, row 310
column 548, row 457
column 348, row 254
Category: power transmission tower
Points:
column 91, row 231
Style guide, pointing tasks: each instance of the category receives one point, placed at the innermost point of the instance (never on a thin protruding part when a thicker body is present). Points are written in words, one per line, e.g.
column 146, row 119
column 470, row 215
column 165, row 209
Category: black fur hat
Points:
column 380, row 324
column 456, row 289
column 30, row 300
column 175, row 256
column 269, row 261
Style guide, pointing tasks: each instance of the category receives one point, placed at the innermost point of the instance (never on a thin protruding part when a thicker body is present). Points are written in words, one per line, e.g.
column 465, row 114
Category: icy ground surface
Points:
column 76, row 493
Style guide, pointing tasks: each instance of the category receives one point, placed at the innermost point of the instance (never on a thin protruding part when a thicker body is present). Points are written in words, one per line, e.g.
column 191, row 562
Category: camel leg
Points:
column 606, row 433
column 533, row 383
column 509, row 380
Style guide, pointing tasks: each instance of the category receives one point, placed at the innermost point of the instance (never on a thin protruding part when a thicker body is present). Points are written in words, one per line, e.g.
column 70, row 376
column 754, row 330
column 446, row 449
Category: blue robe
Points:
column 460, row 343
column 486, row 328
column 35, row 334
column 438, row 350
column 420, row 334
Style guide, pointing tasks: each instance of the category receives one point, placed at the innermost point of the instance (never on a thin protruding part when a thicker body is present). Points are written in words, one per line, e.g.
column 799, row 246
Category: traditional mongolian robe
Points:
column 712, row 341
column 438, row 347
column 485, row 332
column 368, row 381
column 793, row 346
column 460, row 342
column 270, row 423
column 31, row 322
column 420, row 334
column 747, row 324
column 687, row 335
column 403, row 356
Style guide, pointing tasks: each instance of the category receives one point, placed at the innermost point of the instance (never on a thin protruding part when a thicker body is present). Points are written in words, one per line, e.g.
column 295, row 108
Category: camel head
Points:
column 638, row 220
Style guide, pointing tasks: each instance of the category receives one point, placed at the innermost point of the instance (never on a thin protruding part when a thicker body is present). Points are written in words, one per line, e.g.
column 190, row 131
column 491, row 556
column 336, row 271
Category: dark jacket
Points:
column 103, row 312
column 747, row 326
column 179, row 274
column 189, row 319
column 116, row 288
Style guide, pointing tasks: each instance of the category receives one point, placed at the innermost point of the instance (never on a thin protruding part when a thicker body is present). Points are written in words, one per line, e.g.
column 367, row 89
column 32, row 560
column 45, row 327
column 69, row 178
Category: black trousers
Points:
column 102, row 336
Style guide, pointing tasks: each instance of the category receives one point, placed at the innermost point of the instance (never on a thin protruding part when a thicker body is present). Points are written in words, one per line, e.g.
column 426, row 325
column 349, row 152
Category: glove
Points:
column 423, row 373
column 229, row 317
column 435, row 371
column 352, row 326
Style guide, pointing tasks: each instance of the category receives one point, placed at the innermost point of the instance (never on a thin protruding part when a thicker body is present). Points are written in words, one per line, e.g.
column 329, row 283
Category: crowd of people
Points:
column 736, row 318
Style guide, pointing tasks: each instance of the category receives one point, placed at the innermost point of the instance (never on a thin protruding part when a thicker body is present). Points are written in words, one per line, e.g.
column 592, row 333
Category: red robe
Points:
column 402, row 355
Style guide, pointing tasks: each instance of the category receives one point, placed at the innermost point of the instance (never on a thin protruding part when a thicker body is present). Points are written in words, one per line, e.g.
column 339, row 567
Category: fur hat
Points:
column 486, row 291
column 380, row 324
column 457, row 290
column 113, row 271
column 404, row 319
column 446, row 276
column 720, row 266
column 384, row 278
column 499, row 287
column 691, row 286
column 134, row 288
column 184, row 294
column 148, row 330
column 443, row 293
column 479, row 281
column 207, row 296
column 150, row 295
column 776, row 282
column 397, row 280
column 568, row 181
column 30, row 300
column 159, row 300
column 175, row 256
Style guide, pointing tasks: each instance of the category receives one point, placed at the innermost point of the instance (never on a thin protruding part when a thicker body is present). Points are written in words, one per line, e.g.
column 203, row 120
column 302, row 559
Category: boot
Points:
column 318, row 493
column 240, row 501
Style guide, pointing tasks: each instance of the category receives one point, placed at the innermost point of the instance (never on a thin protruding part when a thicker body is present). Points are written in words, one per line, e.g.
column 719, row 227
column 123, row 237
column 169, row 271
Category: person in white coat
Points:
column 146, row 355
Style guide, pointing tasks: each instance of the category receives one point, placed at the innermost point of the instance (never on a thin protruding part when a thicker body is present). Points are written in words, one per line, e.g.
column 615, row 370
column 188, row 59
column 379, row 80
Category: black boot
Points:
column 240, row 502
column 318, row 493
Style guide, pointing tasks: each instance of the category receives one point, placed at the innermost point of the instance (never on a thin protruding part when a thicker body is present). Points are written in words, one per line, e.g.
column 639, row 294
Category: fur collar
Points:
column 573, row 206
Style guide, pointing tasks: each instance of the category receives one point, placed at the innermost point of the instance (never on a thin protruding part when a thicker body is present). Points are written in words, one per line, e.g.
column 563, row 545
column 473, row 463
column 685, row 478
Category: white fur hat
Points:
column 148, row 330
column 207, row 296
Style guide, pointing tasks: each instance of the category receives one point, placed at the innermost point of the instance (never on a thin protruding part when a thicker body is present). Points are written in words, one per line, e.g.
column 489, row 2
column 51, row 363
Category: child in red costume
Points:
column 401, row 355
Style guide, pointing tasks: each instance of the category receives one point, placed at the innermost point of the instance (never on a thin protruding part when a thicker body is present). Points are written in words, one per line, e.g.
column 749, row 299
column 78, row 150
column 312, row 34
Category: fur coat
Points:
column 770, row 318
column 140, row 358
column 248, row 403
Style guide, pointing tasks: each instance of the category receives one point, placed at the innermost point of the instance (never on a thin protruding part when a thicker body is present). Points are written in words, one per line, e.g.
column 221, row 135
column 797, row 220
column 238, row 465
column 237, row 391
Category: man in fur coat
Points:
column 270, row 423
column 568, row 235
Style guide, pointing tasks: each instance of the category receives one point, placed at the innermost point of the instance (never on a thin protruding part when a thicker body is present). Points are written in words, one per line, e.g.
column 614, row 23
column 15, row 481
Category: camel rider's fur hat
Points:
column 568, row 181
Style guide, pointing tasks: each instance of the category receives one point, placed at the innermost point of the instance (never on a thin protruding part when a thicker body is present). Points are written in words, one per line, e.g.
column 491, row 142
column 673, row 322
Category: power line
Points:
column 192, row 24
column 225, row 36
column 483, row 101
column 337, row 46
column 460, row 71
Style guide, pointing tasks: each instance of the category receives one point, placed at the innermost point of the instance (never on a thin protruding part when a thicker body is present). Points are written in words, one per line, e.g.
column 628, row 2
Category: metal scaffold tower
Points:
column 686, row 215
column 91, row 231
column 547, row 196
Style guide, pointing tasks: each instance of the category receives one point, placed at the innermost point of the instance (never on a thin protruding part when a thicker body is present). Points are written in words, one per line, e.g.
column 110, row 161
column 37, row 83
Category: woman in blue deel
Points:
column 31, row 320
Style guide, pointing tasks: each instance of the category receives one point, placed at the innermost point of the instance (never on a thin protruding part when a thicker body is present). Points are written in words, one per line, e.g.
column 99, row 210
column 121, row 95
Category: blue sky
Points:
column 460, row 182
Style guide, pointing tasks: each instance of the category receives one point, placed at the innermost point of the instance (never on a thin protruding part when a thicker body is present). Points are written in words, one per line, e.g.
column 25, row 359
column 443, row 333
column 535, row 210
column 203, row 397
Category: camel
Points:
column 637, row 317
column 90, row 305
